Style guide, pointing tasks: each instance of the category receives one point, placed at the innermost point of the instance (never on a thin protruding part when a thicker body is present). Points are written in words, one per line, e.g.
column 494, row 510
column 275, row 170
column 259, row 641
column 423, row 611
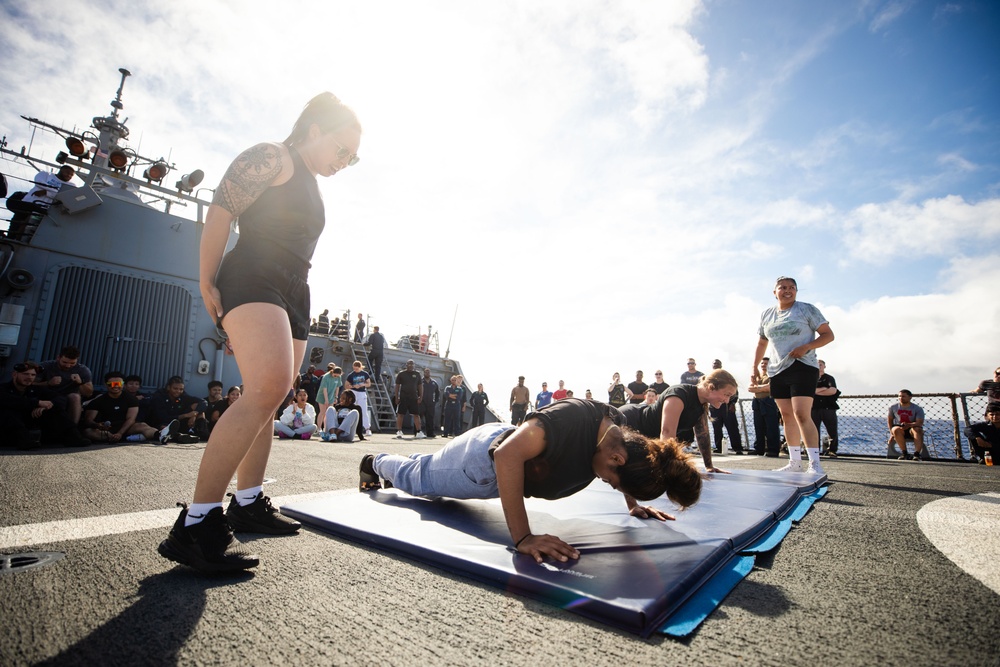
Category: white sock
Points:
column 198, row 511
column 813, row 454
column 794, row 453
column 246, row 496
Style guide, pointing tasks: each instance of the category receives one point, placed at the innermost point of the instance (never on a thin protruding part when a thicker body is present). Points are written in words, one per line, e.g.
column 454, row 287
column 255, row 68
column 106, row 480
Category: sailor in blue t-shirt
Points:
column 358, row 381
column 544, row 397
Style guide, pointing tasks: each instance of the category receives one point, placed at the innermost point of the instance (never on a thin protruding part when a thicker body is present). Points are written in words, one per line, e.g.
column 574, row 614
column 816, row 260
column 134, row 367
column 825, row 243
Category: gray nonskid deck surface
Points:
column 857, row 583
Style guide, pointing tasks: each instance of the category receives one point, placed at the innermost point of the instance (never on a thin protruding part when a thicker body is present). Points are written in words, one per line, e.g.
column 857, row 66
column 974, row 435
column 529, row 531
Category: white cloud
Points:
column 887, row 15
column 569, row 173
column 944, row 341
column 935, row 227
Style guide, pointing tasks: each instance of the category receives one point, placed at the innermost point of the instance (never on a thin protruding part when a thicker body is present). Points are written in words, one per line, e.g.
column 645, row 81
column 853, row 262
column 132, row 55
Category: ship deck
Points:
column 856, row 583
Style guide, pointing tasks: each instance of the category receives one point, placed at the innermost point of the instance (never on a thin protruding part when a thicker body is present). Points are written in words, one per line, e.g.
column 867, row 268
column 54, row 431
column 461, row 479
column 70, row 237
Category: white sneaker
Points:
column 815, row 469
column 420, row 435
column 368, row 433
column 792, row 466
column 399, row 435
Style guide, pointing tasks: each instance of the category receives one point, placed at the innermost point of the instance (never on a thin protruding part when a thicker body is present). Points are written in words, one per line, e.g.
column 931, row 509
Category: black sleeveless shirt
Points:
column 285, row 222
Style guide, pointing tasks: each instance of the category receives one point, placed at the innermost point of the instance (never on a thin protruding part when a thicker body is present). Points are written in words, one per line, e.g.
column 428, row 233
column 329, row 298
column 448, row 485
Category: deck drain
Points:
column 10, row 563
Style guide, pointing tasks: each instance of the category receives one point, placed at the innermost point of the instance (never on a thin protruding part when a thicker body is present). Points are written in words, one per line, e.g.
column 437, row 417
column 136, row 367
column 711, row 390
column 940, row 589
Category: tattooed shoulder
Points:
column 251, row 173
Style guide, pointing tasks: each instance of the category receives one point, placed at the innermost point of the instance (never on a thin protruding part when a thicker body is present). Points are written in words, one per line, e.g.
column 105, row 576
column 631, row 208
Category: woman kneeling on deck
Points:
column 556, row 452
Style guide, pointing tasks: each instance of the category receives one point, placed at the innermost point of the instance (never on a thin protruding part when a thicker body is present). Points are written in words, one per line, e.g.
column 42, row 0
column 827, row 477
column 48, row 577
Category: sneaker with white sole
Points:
column 420, row 435
column 815, row 468
column 792, row 466
column 368, row 433
column 169, row 431
column 399, row 435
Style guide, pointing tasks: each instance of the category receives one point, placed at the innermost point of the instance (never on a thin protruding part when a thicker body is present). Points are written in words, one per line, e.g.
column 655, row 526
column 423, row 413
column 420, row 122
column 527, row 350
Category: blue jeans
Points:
column 461, row 469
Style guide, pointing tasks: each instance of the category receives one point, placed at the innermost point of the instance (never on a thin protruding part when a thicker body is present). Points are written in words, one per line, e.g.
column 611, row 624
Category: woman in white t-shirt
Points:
column 791, row 328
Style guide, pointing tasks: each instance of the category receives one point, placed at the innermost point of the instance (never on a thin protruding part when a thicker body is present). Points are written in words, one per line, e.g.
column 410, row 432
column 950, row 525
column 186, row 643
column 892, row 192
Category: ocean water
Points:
column 863, row 429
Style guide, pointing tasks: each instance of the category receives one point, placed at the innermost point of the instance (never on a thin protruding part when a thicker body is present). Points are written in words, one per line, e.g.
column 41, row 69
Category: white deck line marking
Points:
column 52, row 532
column 966, row 529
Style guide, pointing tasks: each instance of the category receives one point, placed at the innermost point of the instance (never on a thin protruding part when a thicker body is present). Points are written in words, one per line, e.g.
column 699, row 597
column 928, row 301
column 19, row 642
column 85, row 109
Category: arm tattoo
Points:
column 701, row 435
column 248, row 176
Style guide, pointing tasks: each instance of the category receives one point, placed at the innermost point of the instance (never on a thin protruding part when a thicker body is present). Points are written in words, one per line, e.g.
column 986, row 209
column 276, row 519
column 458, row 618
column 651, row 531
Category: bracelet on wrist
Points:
column 518, row 543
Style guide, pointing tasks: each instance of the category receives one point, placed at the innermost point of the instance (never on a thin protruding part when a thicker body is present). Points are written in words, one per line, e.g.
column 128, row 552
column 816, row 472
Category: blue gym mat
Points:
column 641, row 576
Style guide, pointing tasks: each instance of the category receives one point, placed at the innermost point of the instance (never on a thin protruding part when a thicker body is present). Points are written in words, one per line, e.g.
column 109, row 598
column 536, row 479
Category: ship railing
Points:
column 89, row 172
column 23, row 219
column 863, row 430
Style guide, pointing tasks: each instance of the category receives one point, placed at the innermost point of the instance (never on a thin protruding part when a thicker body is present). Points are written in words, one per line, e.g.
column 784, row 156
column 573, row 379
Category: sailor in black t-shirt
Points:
column 638, row 389
column 659, row 386
column 358, row 381
column 111, row 417
column 409, row 394
column 556, row 452
column 824, row 408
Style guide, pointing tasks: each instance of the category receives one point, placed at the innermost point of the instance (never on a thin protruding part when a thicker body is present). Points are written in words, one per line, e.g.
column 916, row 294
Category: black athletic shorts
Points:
column 799, row 379
column 245, row 279
column 407, row 405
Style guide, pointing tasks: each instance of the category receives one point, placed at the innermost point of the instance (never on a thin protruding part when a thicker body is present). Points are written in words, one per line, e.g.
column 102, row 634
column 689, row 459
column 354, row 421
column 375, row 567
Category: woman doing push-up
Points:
column 556, row 452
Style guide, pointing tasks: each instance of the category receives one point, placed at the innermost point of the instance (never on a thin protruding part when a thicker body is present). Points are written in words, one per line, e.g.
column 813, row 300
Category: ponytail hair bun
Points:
column 658, row 467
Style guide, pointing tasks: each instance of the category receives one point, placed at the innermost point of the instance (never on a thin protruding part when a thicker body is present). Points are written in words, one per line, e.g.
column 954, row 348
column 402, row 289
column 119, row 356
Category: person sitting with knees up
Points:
column 112, row 416
column 906, row 422
column 219, row 408
column 343, row 420
column 555, row 453
column 298, row 420
column 985, row 436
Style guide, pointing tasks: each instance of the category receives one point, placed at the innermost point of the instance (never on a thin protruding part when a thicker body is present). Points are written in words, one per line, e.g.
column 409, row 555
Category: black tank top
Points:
column 285, row 222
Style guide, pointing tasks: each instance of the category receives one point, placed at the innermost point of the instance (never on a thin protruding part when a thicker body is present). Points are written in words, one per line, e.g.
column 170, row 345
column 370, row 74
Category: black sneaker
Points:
column 369, row 478
column 259, row 517
column 208, row 546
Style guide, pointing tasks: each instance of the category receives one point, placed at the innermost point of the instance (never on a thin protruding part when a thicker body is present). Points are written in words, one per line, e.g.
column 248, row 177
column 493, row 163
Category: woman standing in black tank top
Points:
column 258, row 293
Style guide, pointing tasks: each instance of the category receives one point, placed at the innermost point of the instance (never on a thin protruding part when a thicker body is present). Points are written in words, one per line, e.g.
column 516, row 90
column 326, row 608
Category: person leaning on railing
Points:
column 990, row 387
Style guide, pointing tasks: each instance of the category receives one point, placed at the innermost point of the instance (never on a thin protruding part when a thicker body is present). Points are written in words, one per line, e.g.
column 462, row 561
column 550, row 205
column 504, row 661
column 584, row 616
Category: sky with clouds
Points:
column 595, row 186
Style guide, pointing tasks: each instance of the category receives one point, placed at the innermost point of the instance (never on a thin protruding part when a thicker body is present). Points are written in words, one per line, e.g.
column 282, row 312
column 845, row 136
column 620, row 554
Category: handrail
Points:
column 862, row 423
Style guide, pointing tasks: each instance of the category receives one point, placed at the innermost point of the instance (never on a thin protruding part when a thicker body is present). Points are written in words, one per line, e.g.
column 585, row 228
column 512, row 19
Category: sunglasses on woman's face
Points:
column 344, row 154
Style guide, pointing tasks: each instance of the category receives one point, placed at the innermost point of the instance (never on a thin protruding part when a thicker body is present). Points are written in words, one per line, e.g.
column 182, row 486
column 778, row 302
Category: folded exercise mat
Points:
column 638, row 575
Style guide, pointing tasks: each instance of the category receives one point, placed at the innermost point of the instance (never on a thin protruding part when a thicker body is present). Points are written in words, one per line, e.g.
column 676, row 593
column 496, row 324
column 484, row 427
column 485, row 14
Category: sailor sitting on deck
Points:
column 112, row 416
column 69, row 380
column 29, row 417
column 985, row 436
column 177, row 414
column 298, row 420
column 343, row 420
column 906, row 422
